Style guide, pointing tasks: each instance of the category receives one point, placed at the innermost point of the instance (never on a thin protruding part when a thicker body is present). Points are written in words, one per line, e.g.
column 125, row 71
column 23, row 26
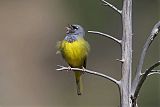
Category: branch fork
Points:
column 141, row 77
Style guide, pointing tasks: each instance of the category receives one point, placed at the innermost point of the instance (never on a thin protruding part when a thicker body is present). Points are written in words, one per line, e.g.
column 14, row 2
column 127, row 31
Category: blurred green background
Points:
column 29, row 30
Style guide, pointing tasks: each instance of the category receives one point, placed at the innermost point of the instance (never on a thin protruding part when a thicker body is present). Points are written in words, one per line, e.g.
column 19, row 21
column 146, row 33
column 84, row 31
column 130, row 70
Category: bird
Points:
column 74, row 50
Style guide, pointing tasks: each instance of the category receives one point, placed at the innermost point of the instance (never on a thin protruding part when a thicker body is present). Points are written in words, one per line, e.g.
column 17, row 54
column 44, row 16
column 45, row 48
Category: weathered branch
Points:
column 89, row 72
column 112, row 6
column 106, row 35
column 150, row 39
column 126, row 54
column 143, row 78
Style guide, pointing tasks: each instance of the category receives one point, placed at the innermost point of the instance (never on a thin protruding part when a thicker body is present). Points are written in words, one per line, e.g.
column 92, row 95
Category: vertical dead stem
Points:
column 126, row 53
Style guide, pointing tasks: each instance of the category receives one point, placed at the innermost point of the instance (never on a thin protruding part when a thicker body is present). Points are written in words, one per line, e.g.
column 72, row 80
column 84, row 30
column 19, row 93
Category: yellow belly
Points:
column 75, row 53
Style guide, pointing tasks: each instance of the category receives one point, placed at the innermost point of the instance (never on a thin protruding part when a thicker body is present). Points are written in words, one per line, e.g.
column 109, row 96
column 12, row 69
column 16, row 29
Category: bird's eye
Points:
column 74, row 27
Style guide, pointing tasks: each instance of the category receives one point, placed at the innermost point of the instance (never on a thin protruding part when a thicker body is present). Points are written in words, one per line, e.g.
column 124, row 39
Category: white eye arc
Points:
column 74, row 27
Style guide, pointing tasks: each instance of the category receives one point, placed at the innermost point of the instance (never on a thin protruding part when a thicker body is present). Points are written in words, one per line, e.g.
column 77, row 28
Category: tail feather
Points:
column 78, row 83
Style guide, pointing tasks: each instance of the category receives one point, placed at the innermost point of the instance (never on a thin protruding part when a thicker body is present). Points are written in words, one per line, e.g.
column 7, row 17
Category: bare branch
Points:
column 150, row 39
column 112, row 6
column 89, row 72
column 143, row 78
column 154, row 72
column 126, row 50
column 106, row 35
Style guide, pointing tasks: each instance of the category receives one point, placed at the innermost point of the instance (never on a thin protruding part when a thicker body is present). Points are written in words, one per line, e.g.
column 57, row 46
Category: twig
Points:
column 143, row 78
column 90, row 72
column 154, row 72
column 112, row 6
column 150, row 39
column 106, row 35
column 120, row 60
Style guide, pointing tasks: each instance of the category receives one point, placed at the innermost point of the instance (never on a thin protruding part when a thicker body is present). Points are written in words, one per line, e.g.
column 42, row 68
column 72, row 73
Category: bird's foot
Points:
column 83, row 70
column 69, row 68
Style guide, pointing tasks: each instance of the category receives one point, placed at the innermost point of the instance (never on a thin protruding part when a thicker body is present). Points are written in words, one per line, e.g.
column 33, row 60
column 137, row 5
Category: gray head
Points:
column 75, row 29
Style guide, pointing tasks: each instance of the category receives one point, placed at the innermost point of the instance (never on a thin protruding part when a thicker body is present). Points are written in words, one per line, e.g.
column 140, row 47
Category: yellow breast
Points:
column 75, row 52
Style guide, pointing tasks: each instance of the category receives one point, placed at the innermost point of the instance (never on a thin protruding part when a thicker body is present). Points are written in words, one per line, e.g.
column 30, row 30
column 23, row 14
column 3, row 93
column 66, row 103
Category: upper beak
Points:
column 68, row 29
